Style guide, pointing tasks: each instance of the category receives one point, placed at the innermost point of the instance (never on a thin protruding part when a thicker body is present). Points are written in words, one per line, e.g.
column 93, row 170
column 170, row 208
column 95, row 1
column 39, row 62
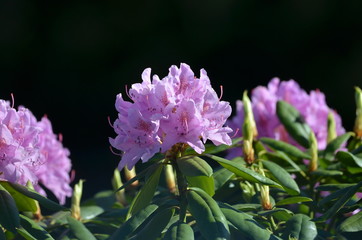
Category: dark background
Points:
column 69, row 60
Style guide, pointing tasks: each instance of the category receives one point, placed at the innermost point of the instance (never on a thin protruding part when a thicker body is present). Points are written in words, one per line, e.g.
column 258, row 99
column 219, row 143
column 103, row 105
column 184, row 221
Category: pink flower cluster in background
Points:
column 312, row 107
column 179, row 108
column 30, row 151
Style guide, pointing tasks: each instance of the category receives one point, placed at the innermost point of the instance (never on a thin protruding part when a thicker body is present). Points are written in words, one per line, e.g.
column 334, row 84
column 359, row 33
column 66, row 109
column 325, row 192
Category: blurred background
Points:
column 69, row 59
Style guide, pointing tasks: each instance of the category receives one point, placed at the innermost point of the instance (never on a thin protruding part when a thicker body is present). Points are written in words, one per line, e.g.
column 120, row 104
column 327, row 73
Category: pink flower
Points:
column 29, row 151
column 312, row 107
column 179, row 108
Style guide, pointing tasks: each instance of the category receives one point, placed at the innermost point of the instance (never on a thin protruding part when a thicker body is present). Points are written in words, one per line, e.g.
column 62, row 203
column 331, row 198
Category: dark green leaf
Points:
column 203, row 182
column 193, row 166
column 340, row 202
column 292, row 200
column 244, row 172
column 336, row 144
column 2, row 234
column 294, row 123
column 212, row 149
column 179, row 231
column 155, row 225
column 247, row 206
column 145, row 195
column 79, row 230
column 285, row 147
column 209, row 218
column 221, row 177
column 326, row 173
column 248, row 228
column 25, row 234
column 89, row 212
column 333, row 187
column 282, row 177
column 43, row 201
column 300, row 227
column 9, row 214
column 352, row 224
column 34, row 229
column 334, row 196
column 133, row 223
column 23, row 202
column 349, row 159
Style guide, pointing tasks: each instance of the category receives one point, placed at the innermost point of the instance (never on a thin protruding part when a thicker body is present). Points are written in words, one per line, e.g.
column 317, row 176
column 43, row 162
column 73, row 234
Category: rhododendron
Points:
column 312, row 107
column 179, row 108
column 29, row 151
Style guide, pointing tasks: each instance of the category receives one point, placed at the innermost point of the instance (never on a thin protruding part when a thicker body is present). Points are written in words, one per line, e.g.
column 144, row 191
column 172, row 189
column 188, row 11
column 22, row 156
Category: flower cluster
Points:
column 179, row 108
column 30, row 151
column 312, row 107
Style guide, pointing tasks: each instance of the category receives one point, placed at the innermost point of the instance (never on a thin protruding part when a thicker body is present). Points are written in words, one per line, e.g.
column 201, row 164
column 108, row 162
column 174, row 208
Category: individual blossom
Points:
column 312, row 107
column 29, row 151
column 180, row 108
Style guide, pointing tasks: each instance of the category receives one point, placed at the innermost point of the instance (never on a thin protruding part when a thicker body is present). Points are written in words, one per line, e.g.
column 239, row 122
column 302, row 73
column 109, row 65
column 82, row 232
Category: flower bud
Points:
column 77, row 195
column 249, row 116
column 129, row 174
column 332, row 133
column 117, row 183
column 358, row 122
column 248, row 151
column 264, row 193
column 314, row 152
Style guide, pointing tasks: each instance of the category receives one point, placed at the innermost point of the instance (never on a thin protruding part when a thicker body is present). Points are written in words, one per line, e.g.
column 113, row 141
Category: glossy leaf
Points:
column 294, row 123
column 349, row 159
column 244, row 172
column 300, row 227
column 336, row 144
column 209, row 218
column 25, row 234
column 133, row 223
column 145, row 195
column 340, row 202
column 89, row 212
column 248, row 228
column 9, row 214
column 282, row 177
column 326, row 173
column 352, row 224
column 43, row 201
column 193, row 166
column 292, row 200
column 212, row 149
column 154, row 226
column 79, row 230
column 221, row 177
column 284, row 147
column 205, row 183
column 34, row 229
column 23, row 202
column 179, row 231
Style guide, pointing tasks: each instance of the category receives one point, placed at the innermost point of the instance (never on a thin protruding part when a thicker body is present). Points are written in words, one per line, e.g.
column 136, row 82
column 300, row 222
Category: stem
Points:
column 181, row 187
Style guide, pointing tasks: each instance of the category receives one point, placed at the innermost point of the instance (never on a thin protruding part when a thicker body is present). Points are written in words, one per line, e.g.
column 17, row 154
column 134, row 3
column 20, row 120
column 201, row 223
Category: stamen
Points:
column 221, row 92
column 13, row 100
column 109, row 122
column 118, row 154
column 60, row 137
column 127, row 93
column 236, row 132
column 72, row 175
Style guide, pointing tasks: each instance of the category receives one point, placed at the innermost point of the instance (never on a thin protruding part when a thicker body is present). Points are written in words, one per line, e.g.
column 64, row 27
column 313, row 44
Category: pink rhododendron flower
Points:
column 29, row 151
column 312, row 107
column 179, row 108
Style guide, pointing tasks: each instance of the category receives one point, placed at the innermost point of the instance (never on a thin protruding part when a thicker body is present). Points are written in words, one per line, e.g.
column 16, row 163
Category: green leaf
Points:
column 79, row 230
column 25, row 234
column 351, row 224
column 133, row 223
column 34, row 229
column 282, row 214
column 212, row 149
column 247, row 206
column 340, row 202
column 145, row 195
column 221, row 177
column 300, row 227
column 193, row 166
column 43, row 201
column 284, row 147
column 336, row 144
column 154, row 227
column 349, row 159
column 333, row 187
column 293, row 200
column 244, row 172
column 9, row 214
column 23, row 202
column 334, row 196
column 282, row 177
column 209, row 218
column 294, row 123
column 179, row 231
column 203, row 182
column 245, row 224
column 326, row 173
column 89, row 212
